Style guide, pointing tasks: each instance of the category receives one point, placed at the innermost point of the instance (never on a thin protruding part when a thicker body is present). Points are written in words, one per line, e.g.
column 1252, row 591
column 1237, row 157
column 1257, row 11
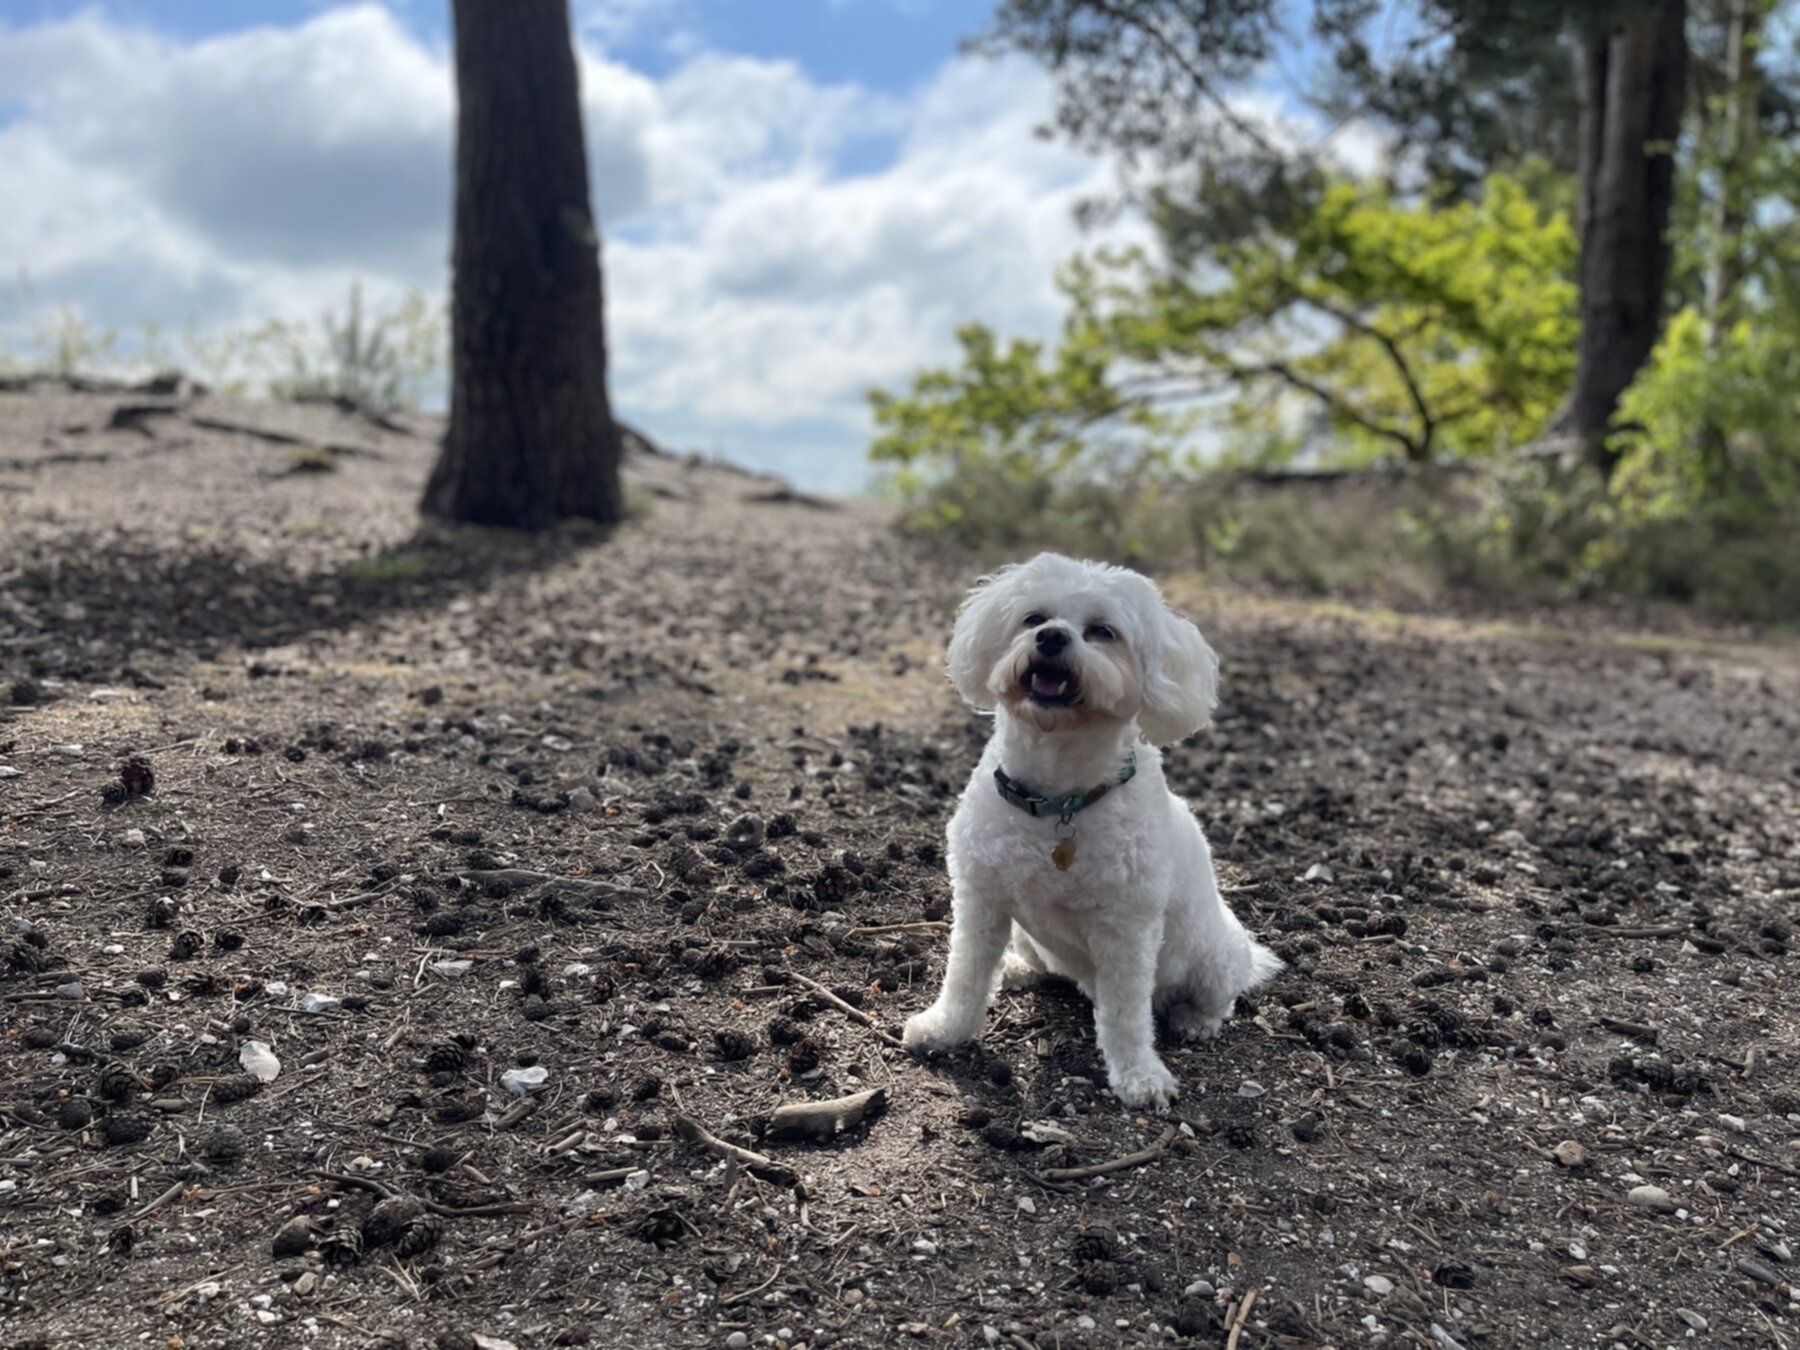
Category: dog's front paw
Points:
column 931, row 1030
column 1145, row 1086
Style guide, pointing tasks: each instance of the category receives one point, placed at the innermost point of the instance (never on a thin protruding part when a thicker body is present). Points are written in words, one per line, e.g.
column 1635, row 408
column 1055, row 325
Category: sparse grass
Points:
column 412, row 564
column 312, row 459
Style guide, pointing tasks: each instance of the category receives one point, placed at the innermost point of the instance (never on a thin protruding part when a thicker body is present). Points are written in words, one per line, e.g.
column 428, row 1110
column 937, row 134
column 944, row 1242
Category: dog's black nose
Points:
column 1050, row 641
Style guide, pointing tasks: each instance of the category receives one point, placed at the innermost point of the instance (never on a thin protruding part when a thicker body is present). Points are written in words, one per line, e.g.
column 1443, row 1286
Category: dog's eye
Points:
column 1099, row 632
column 1033, row 619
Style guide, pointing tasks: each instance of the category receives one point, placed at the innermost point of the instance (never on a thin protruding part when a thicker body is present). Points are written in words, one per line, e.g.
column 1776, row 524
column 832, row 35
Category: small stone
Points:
column 74, row 991
column 1027, row 1205
column 319, row 1003
column 1651, row 1197
column 581, row 801
column 1319, row 872
column 132, row 838
column 1757, row 1271
column 1199, row 1289
column 1251, row 1088
column 453, row 970
column 1379, row 1285
column 1694, row 1320
column 925, row 1247
column 1569, row 1154
column 737, row 1341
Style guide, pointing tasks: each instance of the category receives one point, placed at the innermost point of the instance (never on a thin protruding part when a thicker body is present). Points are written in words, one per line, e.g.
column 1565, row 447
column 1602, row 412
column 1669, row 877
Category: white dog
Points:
column 1068, row 853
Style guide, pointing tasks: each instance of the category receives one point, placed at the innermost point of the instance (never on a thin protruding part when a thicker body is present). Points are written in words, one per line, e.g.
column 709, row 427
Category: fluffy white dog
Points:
column 1068, row 853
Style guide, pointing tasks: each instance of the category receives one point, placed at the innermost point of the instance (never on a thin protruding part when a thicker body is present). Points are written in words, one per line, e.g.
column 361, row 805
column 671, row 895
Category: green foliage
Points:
column 1377, row 331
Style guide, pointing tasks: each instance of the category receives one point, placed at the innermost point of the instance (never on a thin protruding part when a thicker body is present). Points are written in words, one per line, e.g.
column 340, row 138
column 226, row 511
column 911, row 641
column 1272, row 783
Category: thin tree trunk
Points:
column 1744, row 90
column 531, row 438
column 1632, row 84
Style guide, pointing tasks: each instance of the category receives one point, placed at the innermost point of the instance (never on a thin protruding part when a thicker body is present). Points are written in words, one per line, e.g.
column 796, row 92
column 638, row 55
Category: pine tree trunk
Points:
column 531, row 438
column 1743, row 92
column 1631, row 84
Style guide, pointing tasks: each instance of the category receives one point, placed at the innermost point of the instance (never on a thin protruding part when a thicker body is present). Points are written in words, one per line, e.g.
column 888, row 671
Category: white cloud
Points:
column 755, row 288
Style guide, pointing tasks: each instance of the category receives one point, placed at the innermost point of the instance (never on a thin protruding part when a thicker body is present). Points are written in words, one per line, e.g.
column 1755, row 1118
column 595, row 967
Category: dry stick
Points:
column 744, row 1294
column 498, row 1254
column 923, row 926
column 1128, row 1161
column 759, row 1164
column 823, row 1120
column 854, row 1014
column 161, row 1200
column 1660, row 931
column 1243, row 1316
column 387, row 1192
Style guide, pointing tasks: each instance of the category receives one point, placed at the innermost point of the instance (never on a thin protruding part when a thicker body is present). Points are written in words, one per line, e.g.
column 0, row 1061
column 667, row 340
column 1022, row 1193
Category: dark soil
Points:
column 592, row 807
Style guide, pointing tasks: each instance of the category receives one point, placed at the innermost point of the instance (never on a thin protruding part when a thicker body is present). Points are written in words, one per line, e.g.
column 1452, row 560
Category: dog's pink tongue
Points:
column 1047, row 685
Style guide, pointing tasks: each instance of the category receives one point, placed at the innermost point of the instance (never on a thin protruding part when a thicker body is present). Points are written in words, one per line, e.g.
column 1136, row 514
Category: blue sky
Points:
column 800, row 199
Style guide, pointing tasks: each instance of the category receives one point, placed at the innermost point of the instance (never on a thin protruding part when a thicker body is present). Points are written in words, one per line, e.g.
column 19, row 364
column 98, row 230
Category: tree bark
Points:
column 531, row 438
column 1725, row 268
column 1632, row 85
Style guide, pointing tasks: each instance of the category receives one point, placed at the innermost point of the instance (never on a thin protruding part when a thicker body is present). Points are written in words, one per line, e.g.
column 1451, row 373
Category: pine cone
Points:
column 391, row 1220
column 137, row 777
column 447, row 1057
column 117, row 1082
column 421, row 1236
column 295, row 1237
column 224, row 1145
column 187, row 944
column 342, row 1247
column 236, row 1088
column 459, row 1108
column 121, row 1131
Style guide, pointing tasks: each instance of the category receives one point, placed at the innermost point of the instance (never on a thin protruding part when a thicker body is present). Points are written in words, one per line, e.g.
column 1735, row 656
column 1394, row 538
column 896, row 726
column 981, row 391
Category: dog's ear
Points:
column 1181, row 681
column 972, row 641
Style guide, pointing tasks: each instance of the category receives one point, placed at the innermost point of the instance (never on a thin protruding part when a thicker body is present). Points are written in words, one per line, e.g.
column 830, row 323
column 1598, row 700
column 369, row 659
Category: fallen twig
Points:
column 1659, row 931
column 1120, row 1164
column 823, row 1120
column 758, row 1164
column 387, row 1192
column 923, row 926
column 854, row 1014
column 1243, row 1316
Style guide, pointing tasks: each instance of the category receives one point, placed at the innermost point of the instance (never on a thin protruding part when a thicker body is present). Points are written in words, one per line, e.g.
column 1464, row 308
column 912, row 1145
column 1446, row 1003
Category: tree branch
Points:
column 1172, row 50
column 1428, row 424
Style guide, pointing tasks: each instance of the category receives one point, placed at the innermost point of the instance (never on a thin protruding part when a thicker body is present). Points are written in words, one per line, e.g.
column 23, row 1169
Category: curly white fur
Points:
column 1082, row 663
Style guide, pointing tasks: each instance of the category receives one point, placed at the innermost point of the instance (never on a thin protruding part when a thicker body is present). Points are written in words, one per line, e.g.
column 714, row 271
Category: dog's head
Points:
column 1060, row 644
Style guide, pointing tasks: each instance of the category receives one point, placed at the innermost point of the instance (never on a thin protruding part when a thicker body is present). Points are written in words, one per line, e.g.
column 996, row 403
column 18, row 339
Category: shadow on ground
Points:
column 99, row 605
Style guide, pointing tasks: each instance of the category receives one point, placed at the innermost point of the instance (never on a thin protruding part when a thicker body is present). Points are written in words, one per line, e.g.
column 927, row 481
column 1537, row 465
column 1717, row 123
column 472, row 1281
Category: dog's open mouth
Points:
column 1052, row 686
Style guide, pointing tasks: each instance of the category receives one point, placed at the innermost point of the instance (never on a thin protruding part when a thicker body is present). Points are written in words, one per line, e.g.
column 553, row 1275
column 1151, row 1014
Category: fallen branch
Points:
column 757, row 1164
column 923, row 926
column 387, row 1192
column 854, row 1014
column 1120, row 1164
column 1666, row 930
column 495, row 1255
column 1637, row 1031
column 1243, row 1316
column 518, row 879
column 823, row 1120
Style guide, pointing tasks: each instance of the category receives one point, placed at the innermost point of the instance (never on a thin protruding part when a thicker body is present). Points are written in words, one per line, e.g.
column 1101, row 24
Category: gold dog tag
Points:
column 1063, row 854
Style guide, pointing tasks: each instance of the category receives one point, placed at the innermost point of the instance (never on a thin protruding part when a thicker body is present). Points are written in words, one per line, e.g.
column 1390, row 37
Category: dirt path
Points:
column 593, row 807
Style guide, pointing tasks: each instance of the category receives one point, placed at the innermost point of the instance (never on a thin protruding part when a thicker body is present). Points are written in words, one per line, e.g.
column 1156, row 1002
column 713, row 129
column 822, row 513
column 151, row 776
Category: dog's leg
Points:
column 1124, row 984
column 978, row 936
